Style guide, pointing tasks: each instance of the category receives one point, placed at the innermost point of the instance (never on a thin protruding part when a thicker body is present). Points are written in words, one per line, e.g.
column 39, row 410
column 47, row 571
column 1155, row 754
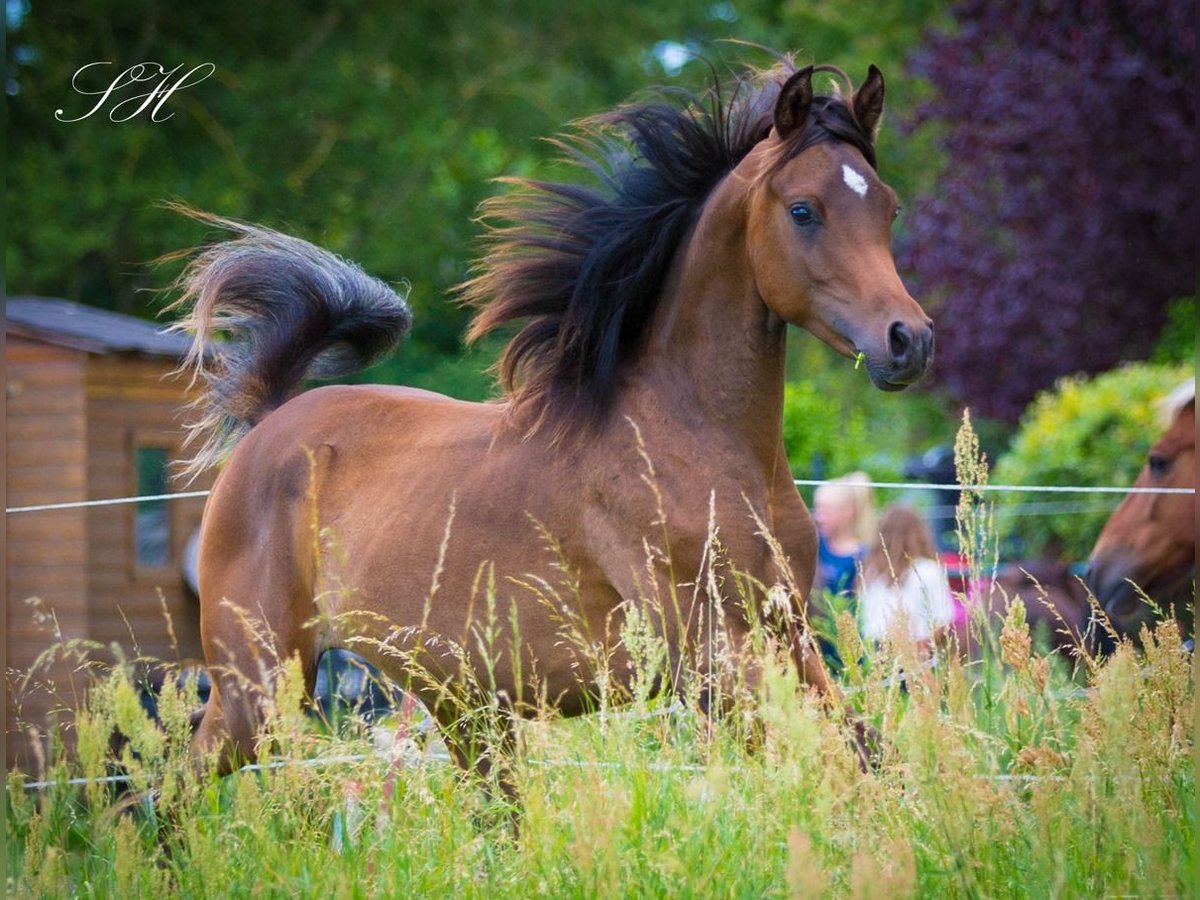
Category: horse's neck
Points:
column 715, row 354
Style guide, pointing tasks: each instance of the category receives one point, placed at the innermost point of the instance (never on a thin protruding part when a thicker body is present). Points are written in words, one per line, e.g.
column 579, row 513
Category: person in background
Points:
column 903, row 581
column 844, row 510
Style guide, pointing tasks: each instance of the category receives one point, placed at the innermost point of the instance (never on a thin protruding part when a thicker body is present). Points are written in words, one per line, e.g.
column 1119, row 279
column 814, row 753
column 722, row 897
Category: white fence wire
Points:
column 800, row 482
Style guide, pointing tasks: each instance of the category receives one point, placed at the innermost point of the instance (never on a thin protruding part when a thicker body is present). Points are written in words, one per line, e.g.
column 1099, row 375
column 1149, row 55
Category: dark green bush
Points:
column 1177, row 343
column 821, row 435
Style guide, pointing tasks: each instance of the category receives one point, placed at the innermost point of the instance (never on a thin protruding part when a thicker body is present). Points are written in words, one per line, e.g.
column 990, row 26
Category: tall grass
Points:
column 1004, row 776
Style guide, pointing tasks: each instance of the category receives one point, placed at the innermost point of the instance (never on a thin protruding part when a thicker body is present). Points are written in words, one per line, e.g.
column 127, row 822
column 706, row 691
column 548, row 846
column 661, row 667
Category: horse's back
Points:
column 335, row 455
column 357, row 426
column 379, row 489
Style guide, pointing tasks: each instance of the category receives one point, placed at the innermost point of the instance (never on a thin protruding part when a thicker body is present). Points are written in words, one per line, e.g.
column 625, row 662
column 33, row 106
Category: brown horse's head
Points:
column 772, row 181
column 1150, row 540
column 819, row 231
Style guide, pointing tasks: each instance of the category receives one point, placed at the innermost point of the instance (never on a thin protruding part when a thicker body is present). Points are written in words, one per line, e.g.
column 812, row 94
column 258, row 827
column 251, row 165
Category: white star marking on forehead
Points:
column 854, row 181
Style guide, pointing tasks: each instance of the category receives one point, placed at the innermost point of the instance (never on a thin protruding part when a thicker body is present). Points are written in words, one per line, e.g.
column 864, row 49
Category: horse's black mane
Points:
column 582, row 267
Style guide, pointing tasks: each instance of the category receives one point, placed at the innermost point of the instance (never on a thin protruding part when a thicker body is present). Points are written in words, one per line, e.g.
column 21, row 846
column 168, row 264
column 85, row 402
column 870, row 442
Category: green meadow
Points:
column 1011, row 773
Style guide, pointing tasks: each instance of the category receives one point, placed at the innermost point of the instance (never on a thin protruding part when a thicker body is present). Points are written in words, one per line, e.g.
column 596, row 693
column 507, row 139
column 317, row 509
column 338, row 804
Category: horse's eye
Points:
column 1158, row 464
column 802, row 214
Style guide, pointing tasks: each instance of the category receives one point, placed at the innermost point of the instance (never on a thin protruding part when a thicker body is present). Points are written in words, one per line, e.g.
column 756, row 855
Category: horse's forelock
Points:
column 1177, row 401
column 830, row 119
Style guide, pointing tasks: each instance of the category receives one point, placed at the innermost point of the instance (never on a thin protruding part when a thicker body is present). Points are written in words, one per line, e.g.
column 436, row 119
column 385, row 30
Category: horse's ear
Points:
column 868, row 102
column 795, row 97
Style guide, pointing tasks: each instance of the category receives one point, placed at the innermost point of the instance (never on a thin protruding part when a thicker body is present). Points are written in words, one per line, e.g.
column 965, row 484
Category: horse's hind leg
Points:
column 227, row 730
column 246, row 647
column 257, row 577
column 243, row 690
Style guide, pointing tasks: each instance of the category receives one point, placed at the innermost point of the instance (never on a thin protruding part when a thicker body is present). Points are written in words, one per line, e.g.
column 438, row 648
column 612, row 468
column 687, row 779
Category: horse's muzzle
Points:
column 911, row 350
column 909, row 353
column 1112, row 582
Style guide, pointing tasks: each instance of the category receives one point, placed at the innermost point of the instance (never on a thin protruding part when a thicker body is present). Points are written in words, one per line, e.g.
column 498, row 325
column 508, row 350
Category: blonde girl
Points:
column 844, row 510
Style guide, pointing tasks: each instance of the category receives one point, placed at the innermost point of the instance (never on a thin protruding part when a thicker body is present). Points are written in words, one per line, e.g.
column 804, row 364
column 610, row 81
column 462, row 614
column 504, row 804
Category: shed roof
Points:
column 89, row 328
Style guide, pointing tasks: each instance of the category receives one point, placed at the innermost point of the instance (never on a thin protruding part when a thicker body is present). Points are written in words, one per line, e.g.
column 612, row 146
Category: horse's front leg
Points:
column 739, row 675
column 794, row 560
column 482, row 739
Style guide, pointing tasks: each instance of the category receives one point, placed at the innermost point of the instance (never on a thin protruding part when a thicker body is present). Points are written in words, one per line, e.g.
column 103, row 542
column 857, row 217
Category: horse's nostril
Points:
column 899, row 341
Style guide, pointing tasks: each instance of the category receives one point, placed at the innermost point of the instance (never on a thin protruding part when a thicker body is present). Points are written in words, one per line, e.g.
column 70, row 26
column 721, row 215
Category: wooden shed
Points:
column 92, row 413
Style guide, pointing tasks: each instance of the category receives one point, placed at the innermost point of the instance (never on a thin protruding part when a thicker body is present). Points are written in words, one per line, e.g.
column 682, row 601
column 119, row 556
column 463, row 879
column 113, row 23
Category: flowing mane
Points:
column 582, row 267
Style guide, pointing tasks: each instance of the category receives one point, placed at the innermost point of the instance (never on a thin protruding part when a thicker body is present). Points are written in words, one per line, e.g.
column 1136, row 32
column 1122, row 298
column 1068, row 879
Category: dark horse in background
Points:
column 447, row 542
column 1148, row 545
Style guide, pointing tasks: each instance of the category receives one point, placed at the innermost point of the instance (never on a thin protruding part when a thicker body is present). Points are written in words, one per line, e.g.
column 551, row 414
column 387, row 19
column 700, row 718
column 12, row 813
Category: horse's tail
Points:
column 289, row 310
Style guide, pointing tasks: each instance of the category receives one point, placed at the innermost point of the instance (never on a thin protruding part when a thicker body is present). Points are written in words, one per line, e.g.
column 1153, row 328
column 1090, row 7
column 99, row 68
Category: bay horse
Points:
column 1149, row 542
column 643, row 403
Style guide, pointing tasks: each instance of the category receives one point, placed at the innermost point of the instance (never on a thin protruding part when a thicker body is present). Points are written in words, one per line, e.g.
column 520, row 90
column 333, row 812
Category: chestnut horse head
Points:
column 819, row 224
column 1149, row 543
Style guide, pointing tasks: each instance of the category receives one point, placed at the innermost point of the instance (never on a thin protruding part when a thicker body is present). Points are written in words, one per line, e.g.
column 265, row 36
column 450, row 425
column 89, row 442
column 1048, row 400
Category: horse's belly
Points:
column 456, row 559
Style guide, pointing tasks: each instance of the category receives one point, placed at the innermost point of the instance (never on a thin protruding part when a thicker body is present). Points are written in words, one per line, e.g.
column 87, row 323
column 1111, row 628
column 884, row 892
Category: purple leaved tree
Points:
column 1064, row 220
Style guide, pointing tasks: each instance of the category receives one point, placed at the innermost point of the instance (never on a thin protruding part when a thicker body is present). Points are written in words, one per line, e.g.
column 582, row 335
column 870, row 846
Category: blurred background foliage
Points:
column 1085, row 431
column 1065, row 219
column 375, row 129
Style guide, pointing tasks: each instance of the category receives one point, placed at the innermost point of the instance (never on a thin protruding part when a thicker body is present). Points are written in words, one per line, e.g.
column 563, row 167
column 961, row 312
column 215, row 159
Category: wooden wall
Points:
column 74, row 422
column 46, row 442
column 131, row 402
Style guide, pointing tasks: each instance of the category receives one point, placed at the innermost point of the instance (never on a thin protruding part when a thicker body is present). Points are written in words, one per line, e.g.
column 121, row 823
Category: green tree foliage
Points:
column 1086, row 431
column 372, row 129
column 835, row 422
column 820, row 434
column 1177, row 343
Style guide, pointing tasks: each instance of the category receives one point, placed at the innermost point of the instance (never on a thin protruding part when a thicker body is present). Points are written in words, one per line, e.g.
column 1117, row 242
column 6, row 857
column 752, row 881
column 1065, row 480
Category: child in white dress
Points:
column 903, row 581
